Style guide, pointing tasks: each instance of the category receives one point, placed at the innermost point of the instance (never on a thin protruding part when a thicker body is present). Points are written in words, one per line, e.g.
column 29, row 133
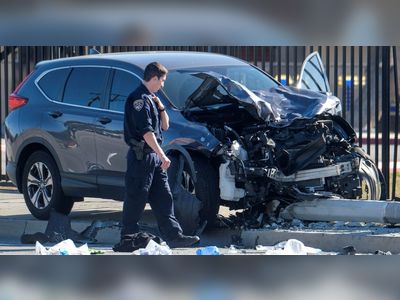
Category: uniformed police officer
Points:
column 146, row 178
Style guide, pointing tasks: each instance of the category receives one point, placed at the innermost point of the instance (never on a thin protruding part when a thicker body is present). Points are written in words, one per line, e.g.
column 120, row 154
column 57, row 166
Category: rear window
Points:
column 53, row 83
column 123, row 84
column 85, row 86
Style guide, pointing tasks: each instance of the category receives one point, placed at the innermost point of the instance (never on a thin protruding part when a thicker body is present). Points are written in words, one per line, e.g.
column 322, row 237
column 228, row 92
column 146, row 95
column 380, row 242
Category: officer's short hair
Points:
column 154, row 69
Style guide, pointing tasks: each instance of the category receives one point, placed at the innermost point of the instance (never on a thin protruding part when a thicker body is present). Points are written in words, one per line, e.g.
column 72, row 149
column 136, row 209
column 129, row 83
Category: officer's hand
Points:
column 157, row 101
column 165, row 162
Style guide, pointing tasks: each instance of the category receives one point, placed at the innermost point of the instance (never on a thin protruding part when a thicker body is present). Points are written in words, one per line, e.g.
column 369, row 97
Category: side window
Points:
column 53, row 83
column 123, row 84
column 85, row 86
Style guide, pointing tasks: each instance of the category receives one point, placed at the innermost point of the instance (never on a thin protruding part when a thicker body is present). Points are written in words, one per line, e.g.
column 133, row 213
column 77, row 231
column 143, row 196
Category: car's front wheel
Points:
column 192, row 214
column 41, row 186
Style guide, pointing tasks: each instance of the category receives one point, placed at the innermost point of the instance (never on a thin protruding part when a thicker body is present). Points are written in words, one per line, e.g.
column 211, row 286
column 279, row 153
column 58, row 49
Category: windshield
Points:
column 181, row 84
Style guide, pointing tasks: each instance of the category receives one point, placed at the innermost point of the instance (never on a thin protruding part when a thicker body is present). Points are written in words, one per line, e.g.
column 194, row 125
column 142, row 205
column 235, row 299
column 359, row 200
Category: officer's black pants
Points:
column 145, row 181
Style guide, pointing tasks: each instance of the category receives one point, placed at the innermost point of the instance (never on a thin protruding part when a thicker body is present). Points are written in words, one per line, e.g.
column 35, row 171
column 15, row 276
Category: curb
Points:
column 362, row 241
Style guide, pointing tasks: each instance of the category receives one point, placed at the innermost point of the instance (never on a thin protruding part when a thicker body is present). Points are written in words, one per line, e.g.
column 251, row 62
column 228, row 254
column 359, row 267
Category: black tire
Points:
column 41, row 186
column 383, row 185
column 206, row 189
column 371, row 187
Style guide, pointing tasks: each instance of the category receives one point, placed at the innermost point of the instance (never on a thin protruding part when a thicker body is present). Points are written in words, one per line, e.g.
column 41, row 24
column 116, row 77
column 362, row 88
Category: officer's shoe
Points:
column 183, row 241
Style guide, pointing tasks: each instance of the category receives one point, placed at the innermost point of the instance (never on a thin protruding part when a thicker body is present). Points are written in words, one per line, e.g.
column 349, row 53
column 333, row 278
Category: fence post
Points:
column 386, row 114
column 396, row 122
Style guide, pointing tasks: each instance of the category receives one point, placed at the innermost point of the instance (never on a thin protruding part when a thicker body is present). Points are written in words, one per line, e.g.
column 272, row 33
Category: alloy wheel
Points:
column 40, row 185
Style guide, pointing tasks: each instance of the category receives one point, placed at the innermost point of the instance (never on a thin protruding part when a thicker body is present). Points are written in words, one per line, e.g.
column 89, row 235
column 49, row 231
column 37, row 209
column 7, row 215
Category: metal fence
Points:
column 364, row 78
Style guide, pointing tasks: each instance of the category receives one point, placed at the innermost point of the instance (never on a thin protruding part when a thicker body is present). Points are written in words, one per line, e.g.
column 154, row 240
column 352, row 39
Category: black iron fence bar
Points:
column 335, row 71
column 287, row 64
column 20, row 64
column 396, row 122
column 351, row 86
column 34, row 56
column 360, row 95
column 344, row 100
column 2, row 83
column 386, row 112
column 41, row 51
column 13, row 79
column 295, row 65
column 263, row 55
column 271, row 60
column 279, row 63
column 4, row 104
column 327, row 63
column 6, row 92
column 369, row 99
column 376, row 104
column 28, row 59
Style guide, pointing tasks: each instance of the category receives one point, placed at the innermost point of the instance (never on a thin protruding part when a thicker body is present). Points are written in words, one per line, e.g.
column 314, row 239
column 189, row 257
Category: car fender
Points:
column 188, row 159
column 43, row 142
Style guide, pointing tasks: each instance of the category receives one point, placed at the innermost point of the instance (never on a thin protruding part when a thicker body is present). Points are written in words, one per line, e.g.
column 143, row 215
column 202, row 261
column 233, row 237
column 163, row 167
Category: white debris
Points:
column 297, row 222
column 232, row 250
column 320, row 225
column 274, row 226
column 66, row 247
column 355, row 224
column 290, row 247
column 153, row 248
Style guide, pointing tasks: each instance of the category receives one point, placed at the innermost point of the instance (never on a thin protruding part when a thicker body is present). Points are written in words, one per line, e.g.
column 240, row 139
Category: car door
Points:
column 72, row 122
column 313, row 76
column 109, row 135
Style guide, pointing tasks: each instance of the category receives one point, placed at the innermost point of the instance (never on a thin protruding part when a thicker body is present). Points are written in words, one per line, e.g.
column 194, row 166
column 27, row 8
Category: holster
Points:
column 138, row 148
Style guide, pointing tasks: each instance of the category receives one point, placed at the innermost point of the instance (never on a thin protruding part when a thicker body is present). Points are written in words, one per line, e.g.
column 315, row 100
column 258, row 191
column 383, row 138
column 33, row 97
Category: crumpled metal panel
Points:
column 279, row 105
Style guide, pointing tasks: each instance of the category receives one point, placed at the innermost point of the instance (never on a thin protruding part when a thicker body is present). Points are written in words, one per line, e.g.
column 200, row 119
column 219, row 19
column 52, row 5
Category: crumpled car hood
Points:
column 279, row 105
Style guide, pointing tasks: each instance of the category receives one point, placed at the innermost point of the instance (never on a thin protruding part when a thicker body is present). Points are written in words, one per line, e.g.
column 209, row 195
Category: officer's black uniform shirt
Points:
column 141, row 116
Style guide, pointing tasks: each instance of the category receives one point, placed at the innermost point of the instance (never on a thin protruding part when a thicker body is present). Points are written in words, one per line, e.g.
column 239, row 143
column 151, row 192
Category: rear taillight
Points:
column 15, row 101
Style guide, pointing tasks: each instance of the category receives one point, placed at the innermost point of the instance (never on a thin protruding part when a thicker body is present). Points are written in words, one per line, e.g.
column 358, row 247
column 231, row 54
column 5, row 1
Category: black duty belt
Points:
column 147, row 149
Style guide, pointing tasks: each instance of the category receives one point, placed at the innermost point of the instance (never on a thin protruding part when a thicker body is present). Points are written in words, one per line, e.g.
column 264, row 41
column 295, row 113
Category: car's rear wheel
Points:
column 41, row 186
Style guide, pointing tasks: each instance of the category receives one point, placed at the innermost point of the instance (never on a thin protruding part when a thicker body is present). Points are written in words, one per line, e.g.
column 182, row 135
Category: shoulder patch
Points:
column 138, row 104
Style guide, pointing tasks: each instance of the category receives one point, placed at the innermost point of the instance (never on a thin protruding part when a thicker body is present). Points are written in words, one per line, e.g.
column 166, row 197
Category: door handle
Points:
column 104, row 120
column 55, row 114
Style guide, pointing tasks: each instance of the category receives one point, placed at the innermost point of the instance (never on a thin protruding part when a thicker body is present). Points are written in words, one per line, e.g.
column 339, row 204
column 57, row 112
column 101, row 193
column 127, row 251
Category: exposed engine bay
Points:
column 298, row 162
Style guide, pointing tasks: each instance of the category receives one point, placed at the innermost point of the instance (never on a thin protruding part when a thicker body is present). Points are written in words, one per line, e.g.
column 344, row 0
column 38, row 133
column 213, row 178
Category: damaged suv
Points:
column 237, row 137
